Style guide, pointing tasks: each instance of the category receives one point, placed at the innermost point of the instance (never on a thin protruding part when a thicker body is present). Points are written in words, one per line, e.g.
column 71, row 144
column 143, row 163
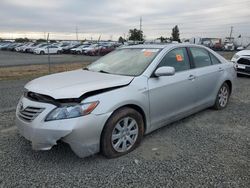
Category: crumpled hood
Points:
column 73, row 84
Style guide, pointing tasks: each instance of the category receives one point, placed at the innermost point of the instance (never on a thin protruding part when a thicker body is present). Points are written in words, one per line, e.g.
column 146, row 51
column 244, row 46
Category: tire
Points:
column 59, row 52
column 113, row 147
column 78, row 52
column 42, row 53
column 222, row 97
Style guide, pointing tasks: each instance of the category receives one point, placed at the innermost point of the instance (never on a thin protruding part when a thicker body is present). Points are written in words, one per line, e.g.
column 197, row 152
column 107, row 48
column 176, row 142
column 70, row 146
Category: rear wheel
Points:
column 122, row 133
column 222, row 97
column 42, row 53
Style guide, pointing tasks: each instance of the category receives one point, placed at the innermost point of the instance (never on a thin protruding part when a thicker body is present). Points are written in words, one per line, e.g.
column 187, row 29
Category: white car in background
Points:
column 91, row 47
column 242, row 61
column 19, row 48
column 26, row 47
column 40, row 45
column 52, row 49
column 79, row 49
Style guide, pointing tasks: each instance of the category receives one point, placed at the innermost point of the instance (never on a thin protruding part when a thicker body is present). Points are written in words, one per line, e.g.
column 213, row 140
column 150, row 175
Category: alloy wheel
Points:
column 223, row 96
column 124, row 134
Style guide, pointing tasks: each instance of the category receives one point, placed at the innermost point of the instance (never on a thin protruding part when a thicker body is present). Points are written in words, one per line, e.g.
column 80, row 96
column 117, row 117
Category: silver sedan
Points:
column 111, row 104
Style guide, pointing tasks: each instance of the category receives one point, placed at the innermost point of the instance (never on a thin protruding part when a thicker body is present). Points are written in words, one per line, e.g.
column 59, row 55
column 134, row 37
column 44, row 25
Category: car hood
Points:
column 74, row 84
column 244, row 52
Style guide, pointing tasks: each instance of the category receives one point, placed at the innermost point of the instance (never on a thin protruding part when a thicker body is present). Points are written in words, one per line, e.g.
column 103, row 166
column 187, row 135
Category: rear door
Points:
column 208, row 70
column 172, row 96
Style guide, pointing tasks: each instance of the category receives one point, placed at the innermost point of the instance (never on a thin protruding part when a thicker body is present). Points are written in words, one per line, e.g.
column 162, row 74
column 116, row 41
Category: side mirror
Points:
column 164, row 71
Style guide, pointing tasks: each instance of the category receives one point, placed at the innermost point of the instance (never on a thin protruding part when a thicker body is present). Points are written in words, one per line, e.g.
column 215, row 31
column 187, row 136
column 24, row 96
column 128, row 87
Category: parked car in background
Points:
column 242, row 61
column 4, row 45
column 100, row 51
column 19, row 48
column 51, row 49
column 91, row 47
column 79, row 49
column 15, row 45
column 25, row 47
column 229, row 46
column 67, row 49
column 32, row 48
column 110, row 105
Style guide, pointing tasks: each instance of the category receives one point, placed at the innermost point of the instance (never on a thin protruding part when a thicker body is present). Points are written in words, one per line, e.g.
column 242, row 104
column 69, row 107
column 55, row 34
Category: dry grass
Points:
column 32, row 71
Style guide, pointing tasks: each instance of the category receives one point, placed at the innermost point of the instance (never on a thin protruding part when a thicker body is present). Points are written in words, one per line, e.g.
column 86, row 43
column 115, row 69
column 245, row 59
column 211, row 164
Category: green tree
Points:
column 121, row 40
column 22, row 40
column 41, row 40
column 52, row 41
column 135, row 35
column 176, row 34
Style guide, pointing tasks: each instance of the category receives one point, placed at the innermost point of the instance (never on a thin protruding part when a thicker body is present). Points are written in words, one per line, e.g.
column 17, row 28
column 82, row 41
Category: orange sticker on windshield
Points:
column 147, row 53
column 179, row 58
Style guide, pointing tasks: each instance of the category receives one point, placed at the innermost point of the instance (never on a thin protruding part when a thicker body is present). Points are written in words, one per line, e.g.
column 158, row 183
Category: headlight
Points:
column 71, row 111
column 236, row 56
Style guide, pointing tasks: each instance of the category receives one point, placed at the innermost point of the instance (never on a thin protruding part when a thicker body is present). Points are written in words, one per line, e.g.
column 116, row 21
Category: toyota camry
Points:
column 111, row 104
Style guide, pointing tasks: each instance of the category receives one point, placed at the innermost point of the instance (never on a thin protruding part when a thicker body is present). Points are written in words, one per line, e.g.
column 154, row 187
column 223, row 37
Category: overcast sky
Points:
column 113, row 18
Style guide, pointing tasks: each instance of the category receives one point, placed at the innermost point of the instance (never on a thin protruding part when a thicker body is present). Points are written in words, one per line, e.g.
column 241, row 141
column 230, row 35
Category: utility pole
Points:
column 48, row 53
column 140, row 28
column 76, row 33
column 231, row 32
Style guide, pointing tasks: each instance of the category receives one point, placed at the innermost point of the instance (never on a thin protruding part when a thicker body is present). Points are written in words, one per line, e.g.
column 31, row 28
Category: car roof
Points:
column 161, row 46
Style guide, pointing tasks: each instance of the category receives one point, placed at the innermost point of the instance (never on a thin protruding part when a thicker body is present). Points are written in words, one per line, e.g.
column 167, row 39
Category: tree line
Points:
column 137, row 35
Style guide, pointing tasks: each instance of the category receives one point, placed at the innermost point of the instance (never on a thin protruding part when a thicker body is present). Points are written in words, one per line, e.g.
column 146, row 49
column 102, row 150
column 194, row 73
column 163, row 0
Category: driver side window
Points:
column 177, row 58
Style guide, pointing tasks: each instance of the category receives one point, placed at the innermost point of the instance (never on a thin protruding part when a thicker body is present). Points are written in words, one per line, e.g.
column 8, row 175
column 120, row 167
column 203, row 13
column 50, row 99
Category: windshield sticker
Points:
column 147, row 53
column 179, row 58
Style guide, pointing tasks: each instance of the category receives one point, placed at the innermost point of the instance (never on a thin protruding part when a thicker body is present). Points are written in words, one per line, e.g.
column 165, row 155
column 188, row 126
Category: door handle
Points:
column 221, row 69
column 191, row 77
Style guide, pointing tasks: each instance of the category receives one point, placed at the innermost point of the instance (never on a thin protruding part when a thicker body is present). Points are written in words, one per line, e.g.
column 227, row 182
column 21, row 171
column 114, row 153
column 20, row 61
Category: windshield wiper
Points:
column 102, row 71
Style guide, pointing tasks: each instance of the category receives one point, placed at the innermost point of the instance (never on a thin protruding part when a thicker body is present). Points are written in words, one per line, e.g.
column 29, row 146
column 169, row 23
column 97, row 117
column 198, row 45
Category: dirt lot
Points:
column 208, row 149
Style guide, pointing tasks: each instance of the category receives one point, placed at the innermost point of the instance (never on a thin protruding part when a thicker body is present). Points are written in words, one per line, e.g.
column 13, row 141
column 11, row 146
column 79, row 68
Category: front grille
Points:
column 244, row 70
column 29, row 113
column 244, row 61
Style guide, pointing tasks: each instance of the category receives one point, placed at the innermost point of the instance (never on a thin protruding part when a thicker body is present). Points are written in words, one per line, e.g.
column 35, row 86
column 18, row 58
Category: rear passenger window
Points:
column 214, row 59
column 177, row 58
column 201, row 57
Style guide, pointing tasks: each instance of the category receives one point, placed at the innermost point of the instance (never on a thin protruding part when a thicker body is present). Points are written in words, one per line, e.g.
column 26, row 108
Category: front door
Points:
column 172, row 96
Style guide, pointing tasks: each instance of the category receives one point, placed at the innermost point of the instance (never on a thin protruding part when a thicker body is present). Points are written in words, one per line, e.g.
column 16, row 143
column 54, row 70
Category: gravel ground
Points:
column 16, row 59
column 208, row 149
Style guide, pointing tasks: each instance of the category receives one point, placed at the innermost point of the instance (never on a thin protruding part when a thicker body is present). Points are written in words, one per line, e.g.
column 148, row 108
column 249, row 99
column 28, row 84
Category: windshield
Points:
column 248, row 47
column 131, row 62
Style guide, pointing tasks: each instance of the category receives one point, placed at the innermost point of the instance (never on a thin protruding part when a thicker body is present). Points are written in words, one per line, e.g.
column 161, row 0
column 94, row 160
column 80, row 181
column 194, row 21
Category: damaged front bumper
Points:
column 82, row 133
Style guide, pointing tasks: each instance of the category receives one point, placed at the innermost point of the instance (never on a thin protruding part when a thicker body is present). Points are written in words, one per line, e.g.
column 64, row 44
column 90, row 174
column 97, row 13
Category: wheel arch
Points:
column 229, row 83
column 132, row 106
column 135, row 107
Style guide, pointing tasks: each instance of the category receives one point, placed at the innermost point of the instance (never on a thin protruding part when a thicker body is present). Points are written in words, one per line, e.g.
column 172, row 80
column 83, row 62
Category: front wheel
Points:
column 42, row 53
column 122, row 133
column 222, row 97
